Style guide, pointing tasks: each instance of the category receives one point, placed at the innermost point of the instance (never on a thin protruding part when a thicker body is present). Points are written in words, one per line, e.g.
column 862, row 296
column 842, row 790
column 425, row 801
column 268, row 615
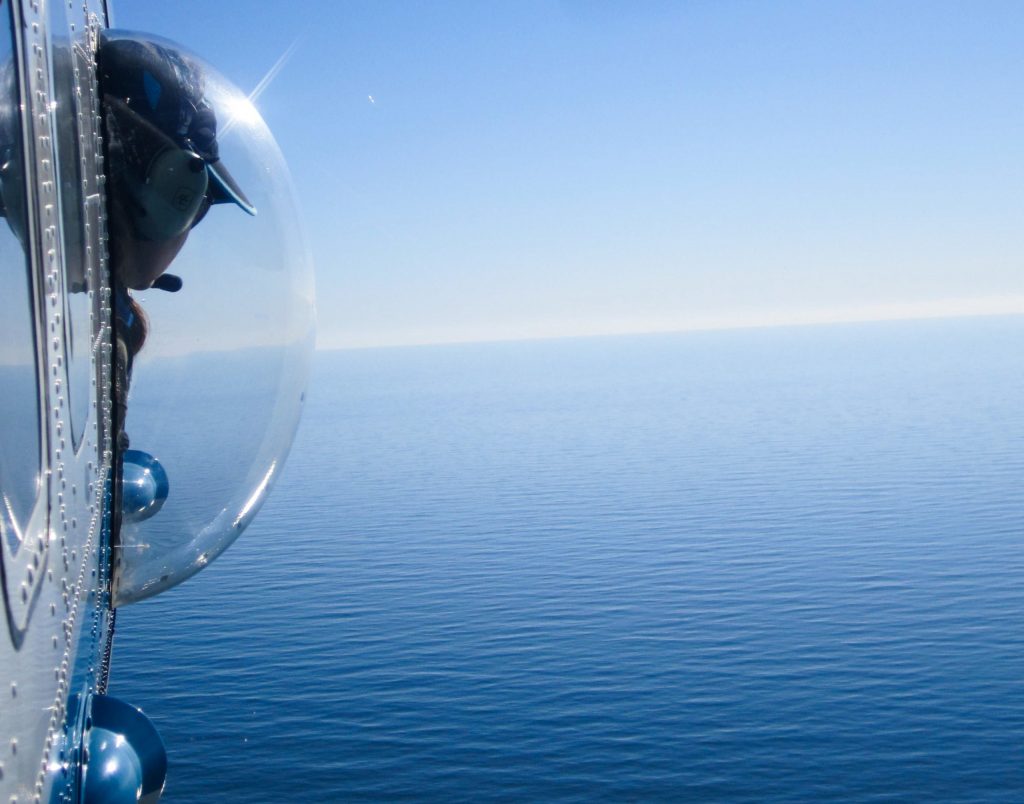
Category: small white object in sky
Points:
column 372, row 100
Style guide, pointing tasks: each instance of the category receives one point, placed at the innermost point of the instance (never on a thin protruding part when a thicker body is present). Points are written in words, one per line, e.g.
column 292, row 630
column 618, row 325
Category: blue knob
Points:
column 114, row 772
column 144, row 485
column 126, row 760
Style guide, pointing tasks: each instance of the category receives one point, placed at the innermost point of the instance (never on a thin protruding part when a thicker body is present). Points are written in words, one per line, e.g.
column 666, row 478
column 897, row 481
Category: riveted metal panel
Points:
column 56, row 581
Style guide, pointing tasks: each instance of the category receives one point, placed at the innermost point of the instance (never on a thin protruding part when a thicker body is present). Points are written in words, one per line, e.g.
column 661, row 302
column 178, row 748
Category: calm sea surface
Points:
column 776, row 565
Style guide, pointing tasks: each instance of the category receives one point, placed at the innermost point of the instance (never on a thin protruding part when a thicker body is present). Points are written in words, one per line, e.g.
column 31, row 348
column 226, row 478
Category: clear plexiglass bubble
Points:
column 217, row 389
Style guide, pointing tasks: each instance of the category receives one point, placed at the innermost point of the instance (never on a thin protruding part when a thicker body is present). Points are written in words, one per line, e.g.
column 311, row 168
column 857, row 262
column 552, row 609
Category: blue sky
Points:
column 479, row 171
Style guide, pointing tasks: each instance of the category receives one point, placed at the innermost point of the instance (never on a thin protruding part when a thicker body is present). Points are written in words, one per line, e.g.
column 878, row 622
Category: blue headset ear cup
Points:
column 167, row 199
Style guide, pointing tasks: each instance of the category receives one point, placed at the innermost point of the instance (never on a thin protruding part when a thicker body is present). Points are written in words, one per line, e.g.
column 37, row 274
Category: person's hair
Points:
column 140, row 330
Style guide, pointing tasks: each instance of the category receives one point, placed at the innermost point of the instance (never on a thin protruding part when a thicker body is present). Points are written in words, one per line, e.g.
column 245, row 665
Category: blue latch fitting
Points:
column 125, row 759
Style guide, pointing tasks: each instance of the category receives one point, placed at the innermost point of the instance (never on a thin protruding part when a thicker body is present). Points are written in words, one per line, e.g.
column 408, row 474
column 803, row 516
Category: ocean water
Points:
column 775, row 565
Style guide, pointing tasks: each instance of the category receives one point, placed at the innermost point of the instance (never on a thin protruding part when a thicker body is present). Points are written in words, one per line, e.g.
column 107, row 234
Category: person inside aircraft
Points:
column 163, row 175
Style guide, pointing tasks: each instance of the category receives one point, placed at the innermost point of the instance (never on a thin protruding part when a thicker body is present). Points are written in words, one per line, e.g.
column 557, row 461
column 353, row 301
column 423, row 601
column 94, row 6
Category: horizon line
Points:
column 976, row 308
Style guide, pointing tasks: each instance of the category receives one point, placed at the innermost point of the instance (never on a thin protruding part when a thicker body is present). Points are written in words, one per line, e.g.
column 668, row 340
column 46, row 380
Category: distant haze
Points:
column 500, row 171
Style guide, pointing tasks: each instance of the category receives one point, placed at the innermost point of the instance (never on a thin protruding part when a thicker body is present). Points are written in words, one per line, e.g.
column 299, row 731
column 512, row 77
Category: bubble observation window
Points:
column 217, row 389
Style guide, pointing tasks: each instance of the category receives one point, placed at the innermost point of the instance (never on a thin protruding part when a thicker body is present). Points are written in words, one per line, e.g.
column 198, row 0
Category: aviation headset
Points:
column 162, row 137
column 168, row 191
